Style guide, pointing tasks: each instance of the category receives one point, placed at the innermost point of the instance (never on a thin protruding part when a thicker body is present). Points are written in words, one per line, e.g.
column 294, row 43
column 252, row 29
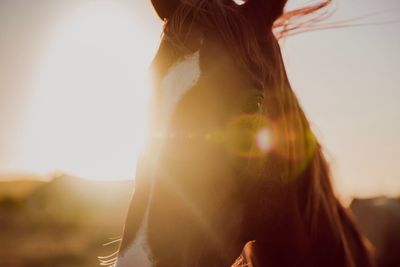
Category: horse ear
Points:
column 165, row 8
column 267, row 10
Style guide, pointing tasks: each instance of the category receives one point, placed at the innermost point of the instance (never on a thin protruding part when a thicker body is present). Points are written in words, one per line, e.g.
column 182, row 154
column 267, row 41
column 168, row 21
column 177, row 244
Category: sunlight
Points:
column 87, row 112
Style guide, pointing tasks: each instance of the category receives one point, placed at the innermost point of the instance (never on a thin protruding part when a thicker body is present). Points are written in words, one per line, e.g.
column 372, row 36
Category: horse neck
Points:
column 330, row 225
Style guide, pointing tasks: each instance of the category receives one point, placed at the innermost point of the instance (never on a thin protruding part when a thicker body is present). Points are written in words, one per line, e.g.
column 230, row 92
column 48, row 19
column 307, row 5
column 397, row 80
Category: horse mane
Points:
column 258, row 51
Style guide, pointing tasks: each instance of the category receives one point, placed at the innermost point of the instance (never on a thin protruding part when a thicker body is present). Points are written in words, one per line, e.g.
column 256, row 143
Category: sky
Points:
column 73, row 89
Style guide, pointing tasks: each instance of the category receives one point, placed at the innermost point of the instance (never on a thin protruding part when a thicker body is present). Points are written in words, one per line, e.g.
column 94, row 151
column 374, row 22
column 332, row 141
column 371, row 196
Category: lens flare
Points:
column 248, row 135
column 264, row 139
column 295, row 142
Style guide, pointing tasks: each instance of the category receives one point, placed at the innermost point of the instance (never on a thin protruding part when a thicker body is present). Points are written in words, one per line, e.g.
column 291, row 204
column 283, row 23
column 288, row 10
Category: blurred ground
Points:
column 65, row 222
column 62, row 223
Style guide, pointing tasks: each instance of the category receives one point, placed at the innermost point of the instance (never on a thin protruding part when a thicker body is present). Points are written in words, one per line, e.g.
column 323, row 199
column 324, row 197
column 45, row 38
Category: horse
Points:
column 231, row 174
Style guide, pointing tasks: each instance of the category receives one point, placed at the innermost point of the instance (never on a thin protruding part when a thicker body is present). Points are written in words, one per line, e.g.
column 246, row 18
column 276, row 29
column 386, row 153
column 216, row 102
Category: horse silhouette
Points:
column 232, row 174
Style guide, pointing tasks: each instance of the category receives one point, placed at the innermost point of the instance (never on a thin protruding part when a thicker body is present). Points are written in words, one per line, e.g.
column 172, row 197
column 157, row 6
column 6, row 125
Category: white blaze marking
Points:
column 179, row 79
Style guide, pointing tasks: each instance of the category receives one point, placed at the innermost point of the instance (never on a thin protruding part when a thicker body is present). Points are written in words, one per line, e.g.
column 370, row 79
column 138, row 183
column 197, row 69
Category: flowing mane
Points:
column 286, row 202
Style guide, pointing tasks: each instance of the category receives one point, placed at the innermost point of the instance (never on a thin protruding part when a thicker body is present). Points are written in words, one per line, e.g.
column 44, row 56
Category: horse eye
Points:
column 252, row 106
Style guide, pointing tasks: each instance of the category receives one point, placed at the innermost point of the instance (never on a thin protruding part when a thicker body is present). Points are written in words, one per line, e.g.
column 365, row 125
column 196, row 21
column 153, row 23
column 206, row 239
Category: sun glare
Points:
column 87, row 110
column 264, row 139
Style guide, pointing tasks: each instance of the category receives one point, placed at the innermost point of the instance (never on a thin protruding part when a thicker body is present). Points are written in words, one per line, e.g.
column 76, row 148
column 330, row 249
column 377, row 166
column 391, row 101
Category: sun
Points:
column 86, row 114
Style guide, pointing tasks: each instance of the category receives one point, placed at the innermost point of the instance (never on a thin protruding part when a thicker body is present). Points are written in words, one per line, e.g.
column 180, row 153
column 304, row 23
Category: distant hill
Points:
column 73, row 199
column 379, row 219
column 19, row 189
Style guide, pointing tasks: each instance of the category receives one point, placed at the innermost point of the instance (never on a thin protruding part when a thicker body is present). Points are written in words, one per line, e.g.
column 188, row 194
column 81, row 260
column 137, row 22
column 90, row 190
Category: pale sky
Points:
column 73, row 97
